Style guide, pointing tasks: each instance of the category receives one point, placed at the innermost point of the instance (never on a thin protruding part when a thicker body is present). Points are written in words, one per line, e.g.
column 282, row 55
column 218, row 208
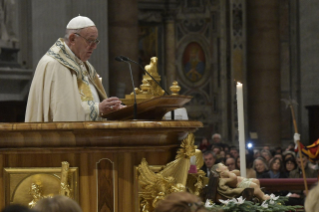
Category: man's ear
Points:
column 72, row 38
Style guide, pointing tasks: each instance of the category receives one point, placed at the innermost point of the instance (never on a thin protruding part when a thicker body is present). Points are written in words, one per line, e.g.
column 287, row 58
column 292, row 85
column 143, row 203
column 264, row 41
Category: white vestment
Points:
column 60, row 89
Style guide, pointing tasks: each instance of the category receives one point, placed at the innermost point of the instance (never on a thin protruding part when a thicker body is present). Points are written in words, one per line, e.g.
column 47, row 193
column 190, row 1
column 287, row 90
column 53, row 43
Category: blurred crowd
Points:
column 260, row 163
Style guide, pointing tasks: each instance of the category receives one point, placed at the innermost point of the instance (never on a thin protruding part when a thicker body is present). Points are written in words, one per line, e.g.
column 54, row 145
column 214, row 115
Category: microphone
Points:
column 126, row 59
column 119, row 59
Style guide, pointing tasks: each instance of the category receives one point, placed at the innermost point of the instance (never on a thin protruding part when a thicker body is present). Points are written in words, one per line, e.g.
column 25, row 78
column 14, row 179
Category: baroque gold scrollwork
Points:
column 172, row 178
column 65, row 189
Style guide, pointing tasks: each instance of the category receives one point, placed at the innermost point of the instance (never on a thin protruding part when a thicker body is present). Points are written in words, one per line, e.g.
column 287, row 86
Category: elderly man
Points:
column 66, row 86
column 216, row 138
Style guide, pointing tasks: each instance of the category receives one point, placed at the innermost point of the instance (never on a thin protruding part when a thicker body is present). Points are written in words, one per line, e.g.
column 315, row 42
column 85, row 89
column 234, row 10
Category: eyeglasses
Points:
column 90, row 42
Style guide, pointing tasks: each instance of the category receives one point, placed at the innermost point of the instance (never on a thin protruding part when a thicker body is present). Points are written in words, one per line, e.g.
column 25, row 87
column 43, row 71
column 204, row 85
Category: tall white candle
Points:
column 241, row 128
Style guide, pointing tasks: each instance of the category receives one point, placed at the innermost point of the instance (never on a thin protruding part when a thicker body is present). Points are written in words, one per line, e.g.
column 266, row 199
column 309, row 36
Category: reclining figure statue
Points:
column 231, row 184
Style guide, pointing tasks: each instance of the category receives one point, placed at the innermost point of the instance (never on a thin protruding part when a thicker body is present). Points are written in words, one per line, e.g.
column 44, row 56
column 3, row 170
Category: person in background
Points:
column 57, row 204
column 234, row 152
column 288, row 154
column 226, row 147
column 209, row 160
column 256, row 153
column 261, row 168
column 278, row 150
column 266, row 148
column 278, row 155
column 291, row 147
column 290, row 165
column 228, row 155
column 221, row 160
column 222, row 154
column 276, row 169
column 297, row 173
column 230, row 163
column 266, row 154
column 180, row 202
column 216, row 138
column 216, row 150
column 250, row 172
column 204, row 145
column 17, row 208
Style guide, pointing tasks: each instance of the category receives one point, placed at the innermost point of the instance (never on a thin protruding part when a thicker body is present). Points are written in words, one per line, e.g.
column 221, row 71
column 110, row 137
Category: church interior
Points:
column 206, row 46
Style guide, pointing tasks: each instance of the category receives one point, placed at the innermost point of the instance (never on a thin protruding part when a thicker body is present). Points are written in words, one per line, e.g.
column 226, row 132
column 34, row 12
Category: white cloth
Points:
column 180, row 114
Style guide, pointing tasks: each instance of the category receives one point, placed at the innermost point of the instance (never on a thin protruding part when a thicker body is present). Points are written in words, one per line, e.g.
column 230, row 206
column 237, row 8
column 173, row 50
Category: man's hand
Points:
column 295, row 195
column 110, row 104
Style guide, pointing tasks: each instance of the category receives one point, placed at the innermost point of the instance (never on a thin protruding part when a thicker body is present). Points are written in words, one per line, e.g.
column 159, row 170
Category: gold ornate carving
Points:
column 149, row 88
column 36, row 193
column 175, row 88
column 180, row 166
column 155, row 186
column 65, row 189
column 26, row 186
column 196, row 182
column 174, row 177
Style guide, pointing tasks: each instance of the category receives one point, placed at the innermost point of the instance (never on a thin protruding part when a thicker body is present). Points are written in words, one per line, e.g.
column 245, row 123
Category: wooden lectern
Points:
column 153, row 109
column 104, row 152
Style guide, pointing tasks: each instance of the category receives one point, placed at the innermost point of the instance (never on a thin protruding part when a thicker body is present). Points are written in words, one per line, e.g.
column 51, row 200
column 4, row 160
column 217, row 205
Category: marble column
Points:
column 123, row 40
column 170, row 55
column 263, row 71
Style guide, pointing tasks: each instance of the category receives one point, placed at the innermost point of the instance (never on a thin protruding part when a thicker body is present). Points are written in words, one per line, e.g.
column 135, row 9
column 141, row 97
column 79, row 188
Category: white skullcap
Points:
column 80, row 22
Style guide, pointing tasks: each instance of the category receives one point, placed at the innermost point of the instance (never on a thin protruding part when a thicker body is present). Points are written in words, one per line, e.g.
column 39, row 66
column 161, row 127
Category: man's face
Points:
column 266, row 148
column 216, row 151
column 234, row 153
column 230, row 163
column 80, row 46
column 304, row 159
column 209, row 160
column 216, row 139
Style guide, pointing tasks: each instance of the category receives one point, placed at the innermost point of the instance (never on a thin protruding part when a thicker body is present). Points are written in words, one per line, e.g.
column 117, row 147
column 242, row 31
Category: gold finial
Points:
column 145, row 87
column 175, row 88
column 137, row 91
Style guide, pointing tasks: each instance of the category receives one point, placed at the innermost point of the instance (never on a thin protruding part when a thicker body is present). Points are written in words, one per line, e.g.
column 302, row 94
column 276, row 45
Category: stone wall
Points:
column 309, row 63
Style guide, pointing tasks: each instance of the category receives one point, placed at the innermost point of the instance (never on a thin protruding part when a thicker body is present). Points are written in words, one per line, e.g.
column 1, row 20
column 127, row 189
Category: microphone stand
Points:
column 135, row 105
column 126, row 59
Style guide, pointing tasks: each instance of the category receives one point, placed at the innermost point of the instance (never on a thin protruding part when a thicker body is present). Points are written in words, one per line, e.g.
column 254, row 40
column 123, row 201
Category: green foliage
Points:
column 269, row 205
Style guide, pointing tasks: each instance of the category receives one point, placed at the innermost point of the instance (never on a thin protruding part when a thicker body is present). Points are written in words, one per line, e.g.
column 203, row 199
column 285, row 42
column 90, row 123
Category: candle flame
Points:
column 239, row 84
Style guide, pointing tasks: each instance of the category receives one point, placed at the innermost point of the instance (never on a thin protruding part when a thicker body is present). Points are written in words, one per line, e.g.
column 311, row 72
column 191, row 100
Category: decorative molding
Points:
column 105, row 185
column 18, row 182
column 150, row 16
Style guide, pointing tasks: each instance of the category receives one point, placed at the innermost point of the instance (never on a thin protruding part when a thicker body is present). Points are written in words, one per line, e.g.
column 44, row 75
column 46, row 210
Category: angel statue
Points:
column 156, row 186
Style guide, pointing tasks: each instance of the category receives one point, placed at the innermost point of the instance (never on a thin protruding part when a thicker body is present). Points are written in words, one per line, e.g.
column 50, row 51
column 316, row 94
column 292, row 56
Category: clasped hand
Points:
column 110, row 104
